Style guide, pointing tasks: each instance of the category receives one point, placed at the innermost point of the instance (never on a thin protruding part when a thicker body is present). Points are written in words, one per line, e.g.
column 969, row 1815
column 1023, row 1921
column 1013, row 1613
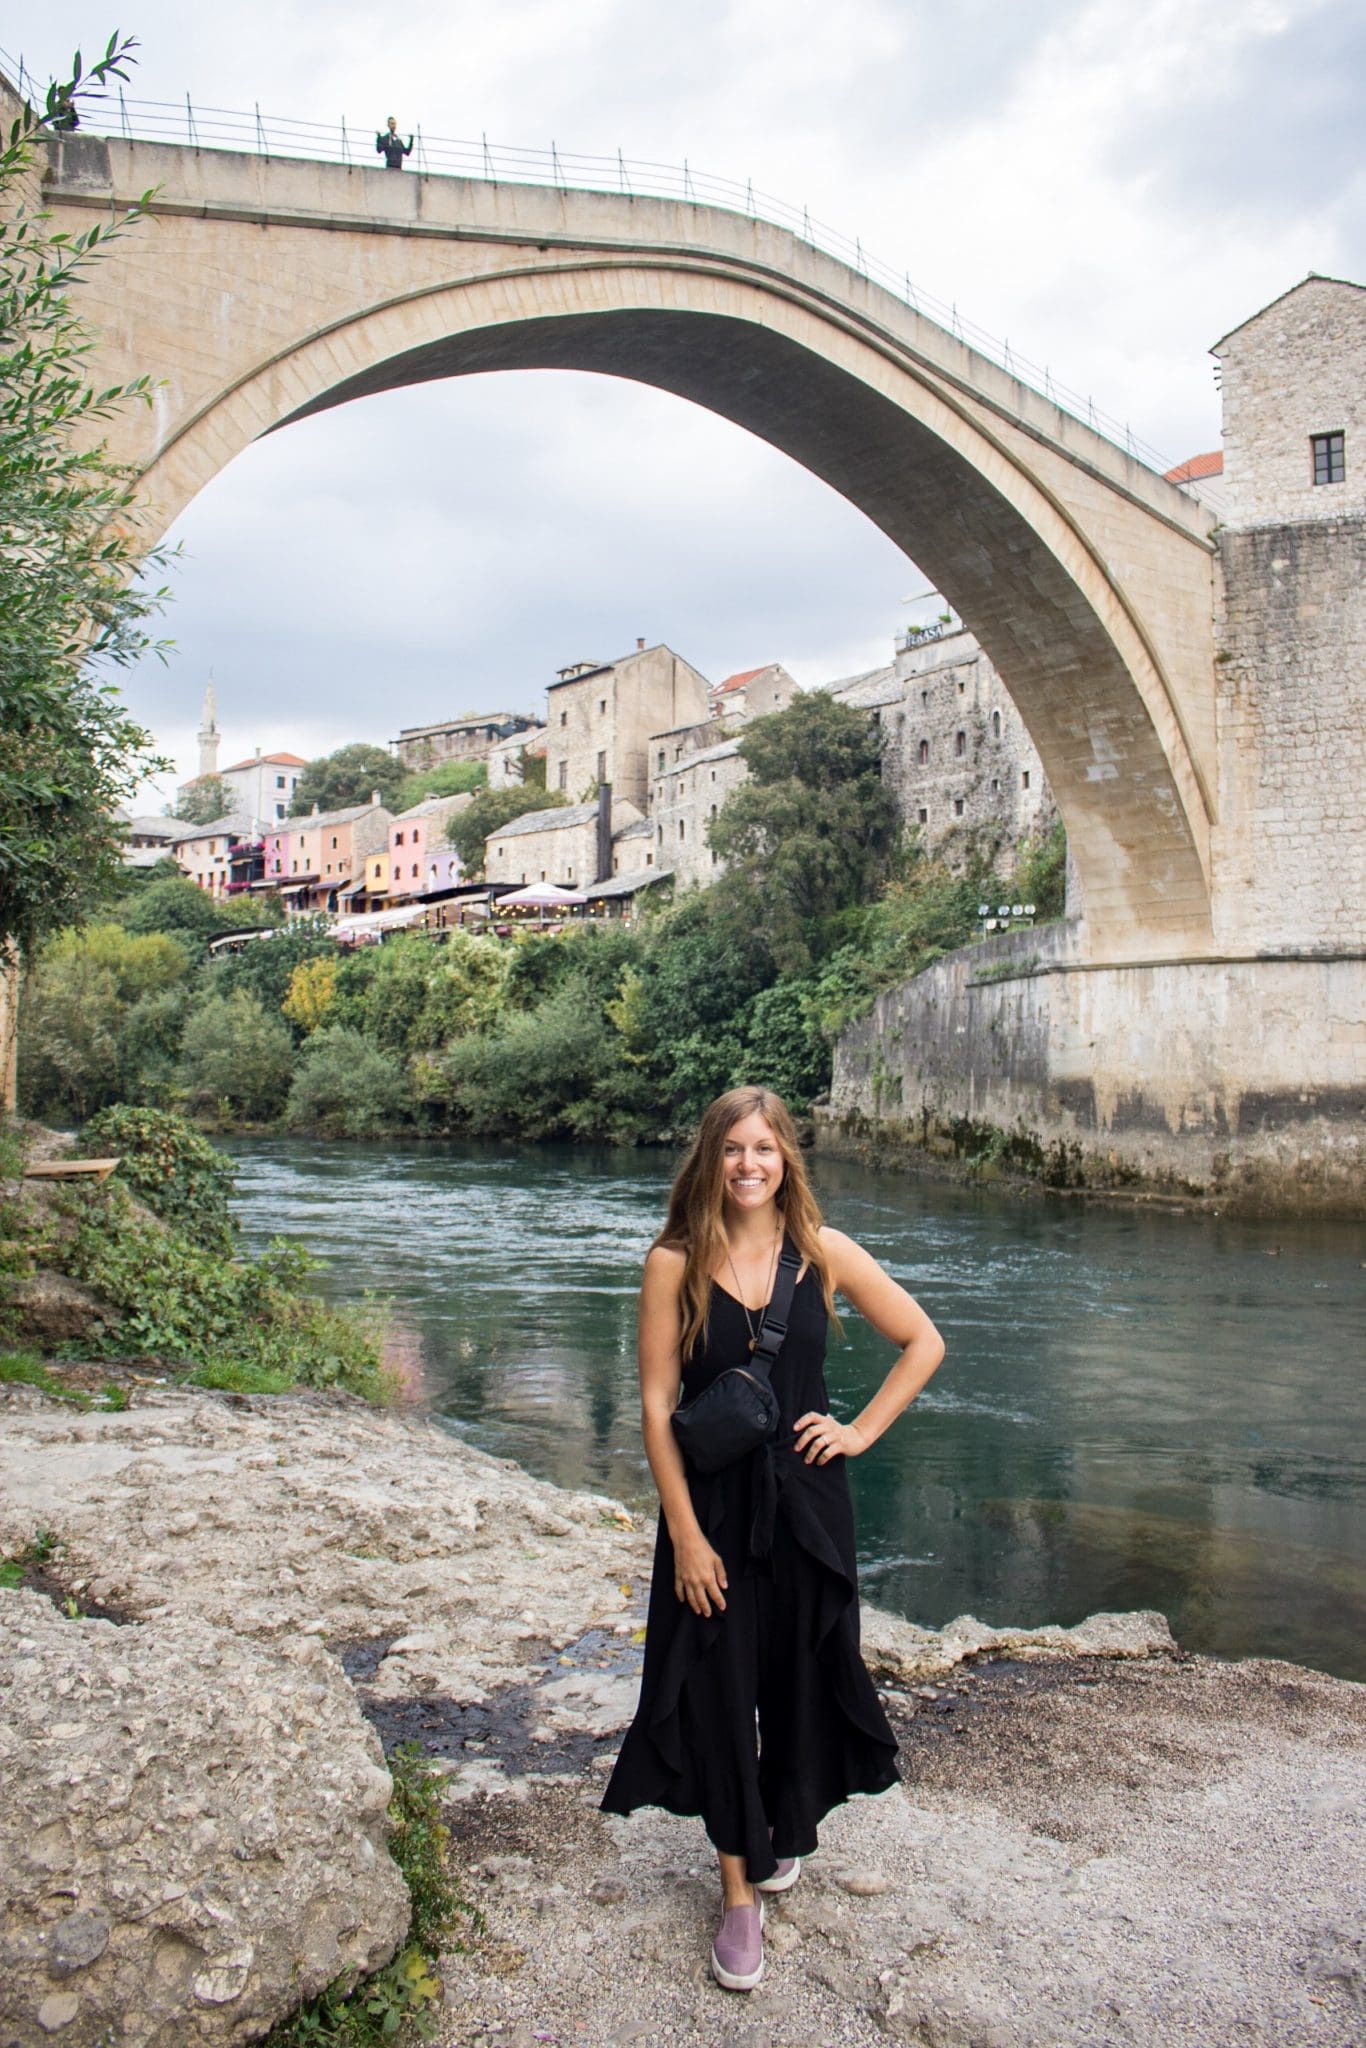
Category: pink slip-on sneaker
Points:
column 784, row 1877
column 737, row 1954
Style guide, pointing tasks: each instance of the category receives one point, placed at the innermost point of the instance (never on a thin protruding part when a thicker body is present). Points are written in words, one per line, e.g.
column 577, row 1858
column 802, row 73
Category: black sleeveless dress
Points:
column 786, row 1650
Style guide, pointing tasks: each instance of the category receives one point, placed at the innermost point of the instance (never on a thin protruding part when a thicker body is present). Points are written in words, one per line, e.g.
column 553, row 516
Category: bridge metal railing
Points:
column 276, row 135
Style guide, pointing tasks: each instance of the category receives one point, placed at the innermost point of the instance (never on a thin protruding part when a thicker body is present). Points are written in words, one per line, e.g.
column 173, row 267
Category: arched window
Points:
column 960, row 743
column 923, row 753
column 995, row 725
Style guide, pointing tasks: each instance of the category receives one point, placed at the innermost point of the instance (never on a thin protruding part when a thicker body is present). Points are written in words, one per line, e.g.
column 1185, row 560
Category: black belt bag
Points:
column 738, row 1412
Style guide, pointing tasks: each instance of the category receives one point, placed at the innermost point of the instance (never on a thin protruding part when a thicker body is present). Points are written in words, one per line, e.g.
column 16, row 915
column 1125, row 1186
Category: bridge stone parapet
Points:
column 262, row 290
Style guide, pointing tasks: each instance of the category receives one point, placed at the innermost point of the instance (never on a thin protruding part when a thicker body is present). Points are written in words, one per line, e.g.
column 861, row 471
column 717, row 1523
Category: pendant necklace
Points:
column 753, row 1327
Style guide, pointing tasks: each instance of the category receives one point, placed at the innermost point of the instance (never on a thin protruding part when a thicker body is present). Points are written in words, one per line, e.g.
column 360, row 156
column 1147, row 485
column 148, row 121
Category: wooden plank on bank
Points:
column 70, row 1169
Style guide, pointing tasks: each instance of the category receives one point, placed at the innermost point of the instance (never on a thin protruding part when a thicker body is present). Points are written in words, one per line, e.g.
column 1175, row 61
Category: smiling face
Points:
column 752, row 1165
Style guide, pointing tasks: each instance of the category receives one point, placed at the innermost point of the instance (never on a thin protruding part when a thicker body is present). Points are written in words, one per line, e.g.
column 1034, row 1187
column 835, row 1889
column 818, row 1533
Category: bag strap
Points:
column 773, row 1328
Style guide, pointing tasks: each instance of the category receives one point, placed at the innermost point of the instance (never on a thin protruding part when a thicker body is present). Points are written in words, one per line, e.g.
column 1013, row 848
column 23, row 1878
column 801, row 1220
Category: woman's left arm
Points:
column 894, row 1315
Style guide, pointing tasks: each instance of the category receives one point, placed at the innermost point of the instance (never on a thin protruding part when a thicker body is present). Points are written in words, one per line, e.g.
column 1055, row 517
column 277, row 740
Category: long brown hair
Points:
column 696, row 1202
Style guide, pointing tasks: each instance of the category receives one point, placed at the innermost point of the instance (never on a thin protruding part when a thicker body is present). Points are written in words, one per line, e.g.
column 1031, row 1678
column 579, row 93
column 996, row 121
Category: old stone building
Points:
column 600, row 717
column 753, row 692
column 1289, row 844
column 955, row 749
column 557, row 845
column 684, row 798
column 467, row 738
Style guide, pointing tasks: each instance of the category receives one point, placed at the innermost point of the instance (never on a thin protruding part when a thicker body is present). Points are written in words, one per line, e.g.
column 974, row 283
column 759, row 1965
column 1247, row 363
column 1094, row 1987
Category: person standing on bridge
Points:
column 390, row 145
column 756, row 1711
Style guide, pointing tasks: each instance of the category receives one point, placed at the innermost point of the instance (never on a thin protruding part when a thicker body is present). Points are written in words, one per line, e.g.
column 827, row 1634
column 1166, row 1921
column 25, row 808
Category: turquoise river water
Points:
column 1136, row 1409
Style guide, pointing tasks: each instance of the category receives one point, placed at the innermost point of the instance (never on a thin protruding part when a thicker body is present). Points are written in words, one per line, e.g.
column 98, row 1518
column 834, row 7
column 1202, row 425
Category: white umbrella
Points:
column 540, row 896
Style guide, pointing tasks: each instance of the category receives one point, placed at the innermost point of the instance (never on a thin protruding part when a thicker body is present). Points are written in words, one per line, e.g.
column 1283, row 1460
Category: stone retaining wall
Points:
column 1241, row 1080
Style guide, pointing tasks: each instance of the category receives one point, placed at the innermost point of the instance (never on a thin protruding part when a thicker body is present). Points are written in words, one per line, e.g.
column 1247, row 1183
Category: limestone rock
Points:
column 899, row 1651
column 192, row 1834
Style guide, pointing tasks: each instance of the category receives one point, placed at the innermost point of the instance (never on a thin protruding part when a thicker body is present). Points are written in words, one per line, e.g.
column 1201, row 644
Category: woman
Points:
column 754, row 1601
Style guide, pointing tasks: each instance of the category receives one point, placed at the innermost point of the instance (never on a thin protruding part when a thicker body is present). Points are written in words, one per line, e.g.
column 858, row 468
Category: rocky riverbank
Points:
column 1097, row 1840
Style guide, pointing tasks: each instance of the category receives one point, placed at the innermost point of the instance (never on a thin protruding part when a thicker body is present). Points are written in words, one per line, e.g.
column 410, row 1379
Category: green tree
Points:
column 448, row 778
column 265, row 968
column 813, row 832
column 174, row 903
column 69, row 603
column 345, row 1087
column 351, row 775
column 312, row 986
column 98, row 1012
column 235, row 1054
column 201, row 801
column 468, row 829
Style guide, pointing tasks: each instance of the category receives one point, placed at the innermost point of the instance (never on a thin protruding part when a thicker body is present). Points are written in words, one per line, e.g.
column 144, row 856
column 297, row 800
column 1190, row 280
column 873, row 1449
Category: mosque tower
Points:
column 208, row 733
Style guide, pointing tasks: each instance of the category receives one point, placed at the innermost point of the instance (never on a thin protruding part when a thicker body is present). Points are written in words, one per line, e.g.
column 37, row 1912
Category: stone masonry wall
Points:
column 1295, row 369
column 1239, row 1080
column 1289, row 849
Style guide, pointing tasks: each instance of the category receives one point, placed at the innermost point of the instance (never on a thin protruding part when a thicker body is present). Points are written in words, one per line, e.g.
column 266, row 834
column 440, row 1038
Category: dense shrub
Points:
column 345, row 1087
column 248, row 1323
column 236, row 1057
column 179, row 1175
column 556, row 1071
column 312, row 986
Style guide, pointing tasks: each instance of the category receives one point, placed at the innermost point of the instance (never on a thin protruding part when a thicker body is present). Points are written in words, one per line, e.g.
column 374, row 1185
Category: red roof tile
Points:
column 1196, row 467
column 261, row 760
column 746, row 675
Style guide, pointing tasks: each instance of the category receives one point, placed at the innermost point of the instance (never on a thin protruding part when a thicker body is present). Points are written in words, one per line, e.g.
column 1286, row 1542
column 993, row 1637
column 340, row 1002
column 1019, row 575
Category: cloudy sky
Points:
column 1112, row 184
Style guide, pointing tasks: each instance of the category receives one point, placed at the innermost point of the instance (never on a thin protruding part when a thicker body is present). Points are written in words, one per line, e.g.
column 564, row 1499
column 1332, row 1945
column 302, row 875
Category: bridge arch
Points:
column 1087, row 579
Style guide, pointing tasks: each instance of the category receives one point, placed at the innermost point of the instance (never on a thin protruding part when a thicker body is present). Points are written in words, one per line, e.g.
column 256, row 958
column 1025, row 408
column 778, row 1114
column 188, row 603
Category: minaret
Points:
column 208, row 734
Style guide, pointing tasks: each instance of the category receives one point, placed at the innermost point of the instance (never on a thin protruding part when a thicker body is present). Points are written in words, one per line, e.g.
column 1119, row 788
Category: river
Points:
column 1136, row 1409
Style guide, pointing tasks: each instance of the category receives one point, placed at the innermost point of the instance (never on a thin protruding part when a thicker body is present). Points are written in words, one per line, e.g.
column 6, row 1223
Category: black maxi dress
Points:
column 764, row 1717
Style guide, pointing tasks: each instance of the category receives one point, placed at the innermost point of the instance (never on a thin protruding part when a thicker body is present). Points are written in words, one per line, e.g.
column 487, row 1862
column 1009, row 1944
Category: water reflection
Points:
column 1137, row 1409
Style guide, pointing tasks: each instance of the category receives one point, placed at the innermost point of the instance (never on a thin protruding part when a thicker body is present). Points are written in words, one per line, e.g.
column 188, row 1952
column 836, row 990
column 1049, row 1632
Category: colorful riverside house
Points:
column 321, row 854
column 202, row 853
column 370, row 888
column 420, row 861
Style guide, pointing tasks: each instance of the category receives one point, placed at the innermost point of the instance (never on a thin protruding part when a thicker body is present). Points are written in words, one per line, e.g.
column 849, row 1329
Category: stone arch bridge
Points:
column 261, row 290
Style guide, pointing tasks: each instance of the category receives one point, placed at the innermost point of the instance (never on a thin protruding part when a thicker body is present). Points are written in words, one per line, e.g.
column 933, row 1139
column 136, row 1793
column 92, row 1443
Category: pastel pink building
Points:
column 419, row 858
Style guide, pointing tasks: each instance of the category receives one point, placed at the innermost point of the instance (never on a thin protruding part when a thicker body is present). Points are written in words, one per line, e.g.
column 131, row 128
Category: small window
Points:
column 602, row 707
column 334, row 842
column 415, row 870
column 564, row 775
column 682, row 829
column 415, row 835
column 962, row 685
column 958, row 807
column 995, row 725
column 661, row 834
column 922, row 753
column 960, row 744
column 660, row 769
column 279, row 811
column 922, row 816
column 924, row 696
column 279, row 782
column 996, row 785
column 1024, row 778
column 1330, row 458
column 877, row 718
column 564, row 718
column 602, row 767
column 713, row 775
column 649, row 860
column 398, row 839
